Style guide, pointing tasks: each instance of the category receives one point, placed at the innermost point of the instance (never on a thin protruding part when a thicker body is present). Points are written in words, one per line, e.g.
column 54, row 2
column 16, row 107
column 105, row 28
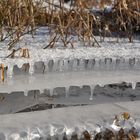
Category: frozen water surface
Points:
column 66, row 79
column 115, row 62
column 57, row 121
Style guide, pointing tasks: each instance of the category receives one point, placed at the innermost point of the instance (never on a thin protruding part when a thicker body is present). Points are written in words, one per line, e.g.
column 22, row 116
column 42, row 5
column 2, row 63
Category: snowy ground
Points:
column 109, row 49
column 68, row 5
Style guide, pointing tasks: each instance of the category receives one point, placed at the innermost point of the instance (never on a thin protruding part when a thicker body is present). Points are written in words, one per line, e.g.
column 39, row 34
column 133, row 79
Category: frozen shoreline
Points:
column 109, row 49
column 49, row 122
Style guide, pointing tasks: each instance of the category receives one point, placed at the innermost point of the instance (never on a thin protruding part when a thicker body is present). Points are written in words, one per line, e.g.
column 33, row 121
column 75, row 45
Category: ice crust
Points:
column 57, row 121
column 44, row 123
column 109, row 49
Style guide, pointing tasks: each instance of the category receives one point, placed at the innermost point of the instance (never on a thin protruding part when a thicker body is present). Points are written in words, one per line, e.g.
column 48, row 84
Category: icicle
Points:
column 81, row 64
column 113, row 64
column 10, row 71
column 102, row 64
column 51, row 92
column 60, row 65
column 41, row 91
column 126, row 63
column 90, row 64
column 55, row 65
column 25, row 92
column 69, row 65
column 133, row 85
column 108, row 62
column 75, row 67
column 137, row 64
column 132, row 62
column 65, row 65
column 118, row 61
column 122, row 63
column 86, row 63
column 97, row 64
column 31, row 69
column 93, row 63
column 92, row 90
column 50, row 65
column 67, row 91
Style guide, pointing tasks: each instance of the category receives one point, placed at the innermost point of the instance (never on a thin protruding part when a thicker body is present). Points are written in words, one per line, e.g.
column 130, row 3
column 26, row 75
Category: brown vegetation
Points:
column 18, row 17
column 107, row 134
column 131, row 134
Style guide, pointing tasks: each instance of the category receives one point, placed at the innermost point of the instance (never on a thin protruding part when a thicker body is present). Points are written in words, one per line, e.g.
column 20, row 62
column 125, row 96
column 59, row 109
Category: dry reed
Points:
column 19, row 17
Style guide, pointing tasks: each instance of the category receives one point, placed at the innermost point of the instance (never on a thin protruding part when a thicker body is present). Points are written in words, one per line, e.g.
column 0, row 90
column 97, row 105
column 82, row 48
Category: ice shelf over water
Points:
column 93, row 118
column 67, row 79
column 110, row 50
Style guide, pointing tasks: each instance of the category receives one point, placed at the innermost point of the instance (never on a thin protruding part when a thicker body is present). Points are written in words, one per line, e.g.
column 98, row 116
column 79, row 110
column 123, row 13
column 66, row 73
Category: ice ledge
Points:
column 75, row 64
column 67, row 79
column 70, row 118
